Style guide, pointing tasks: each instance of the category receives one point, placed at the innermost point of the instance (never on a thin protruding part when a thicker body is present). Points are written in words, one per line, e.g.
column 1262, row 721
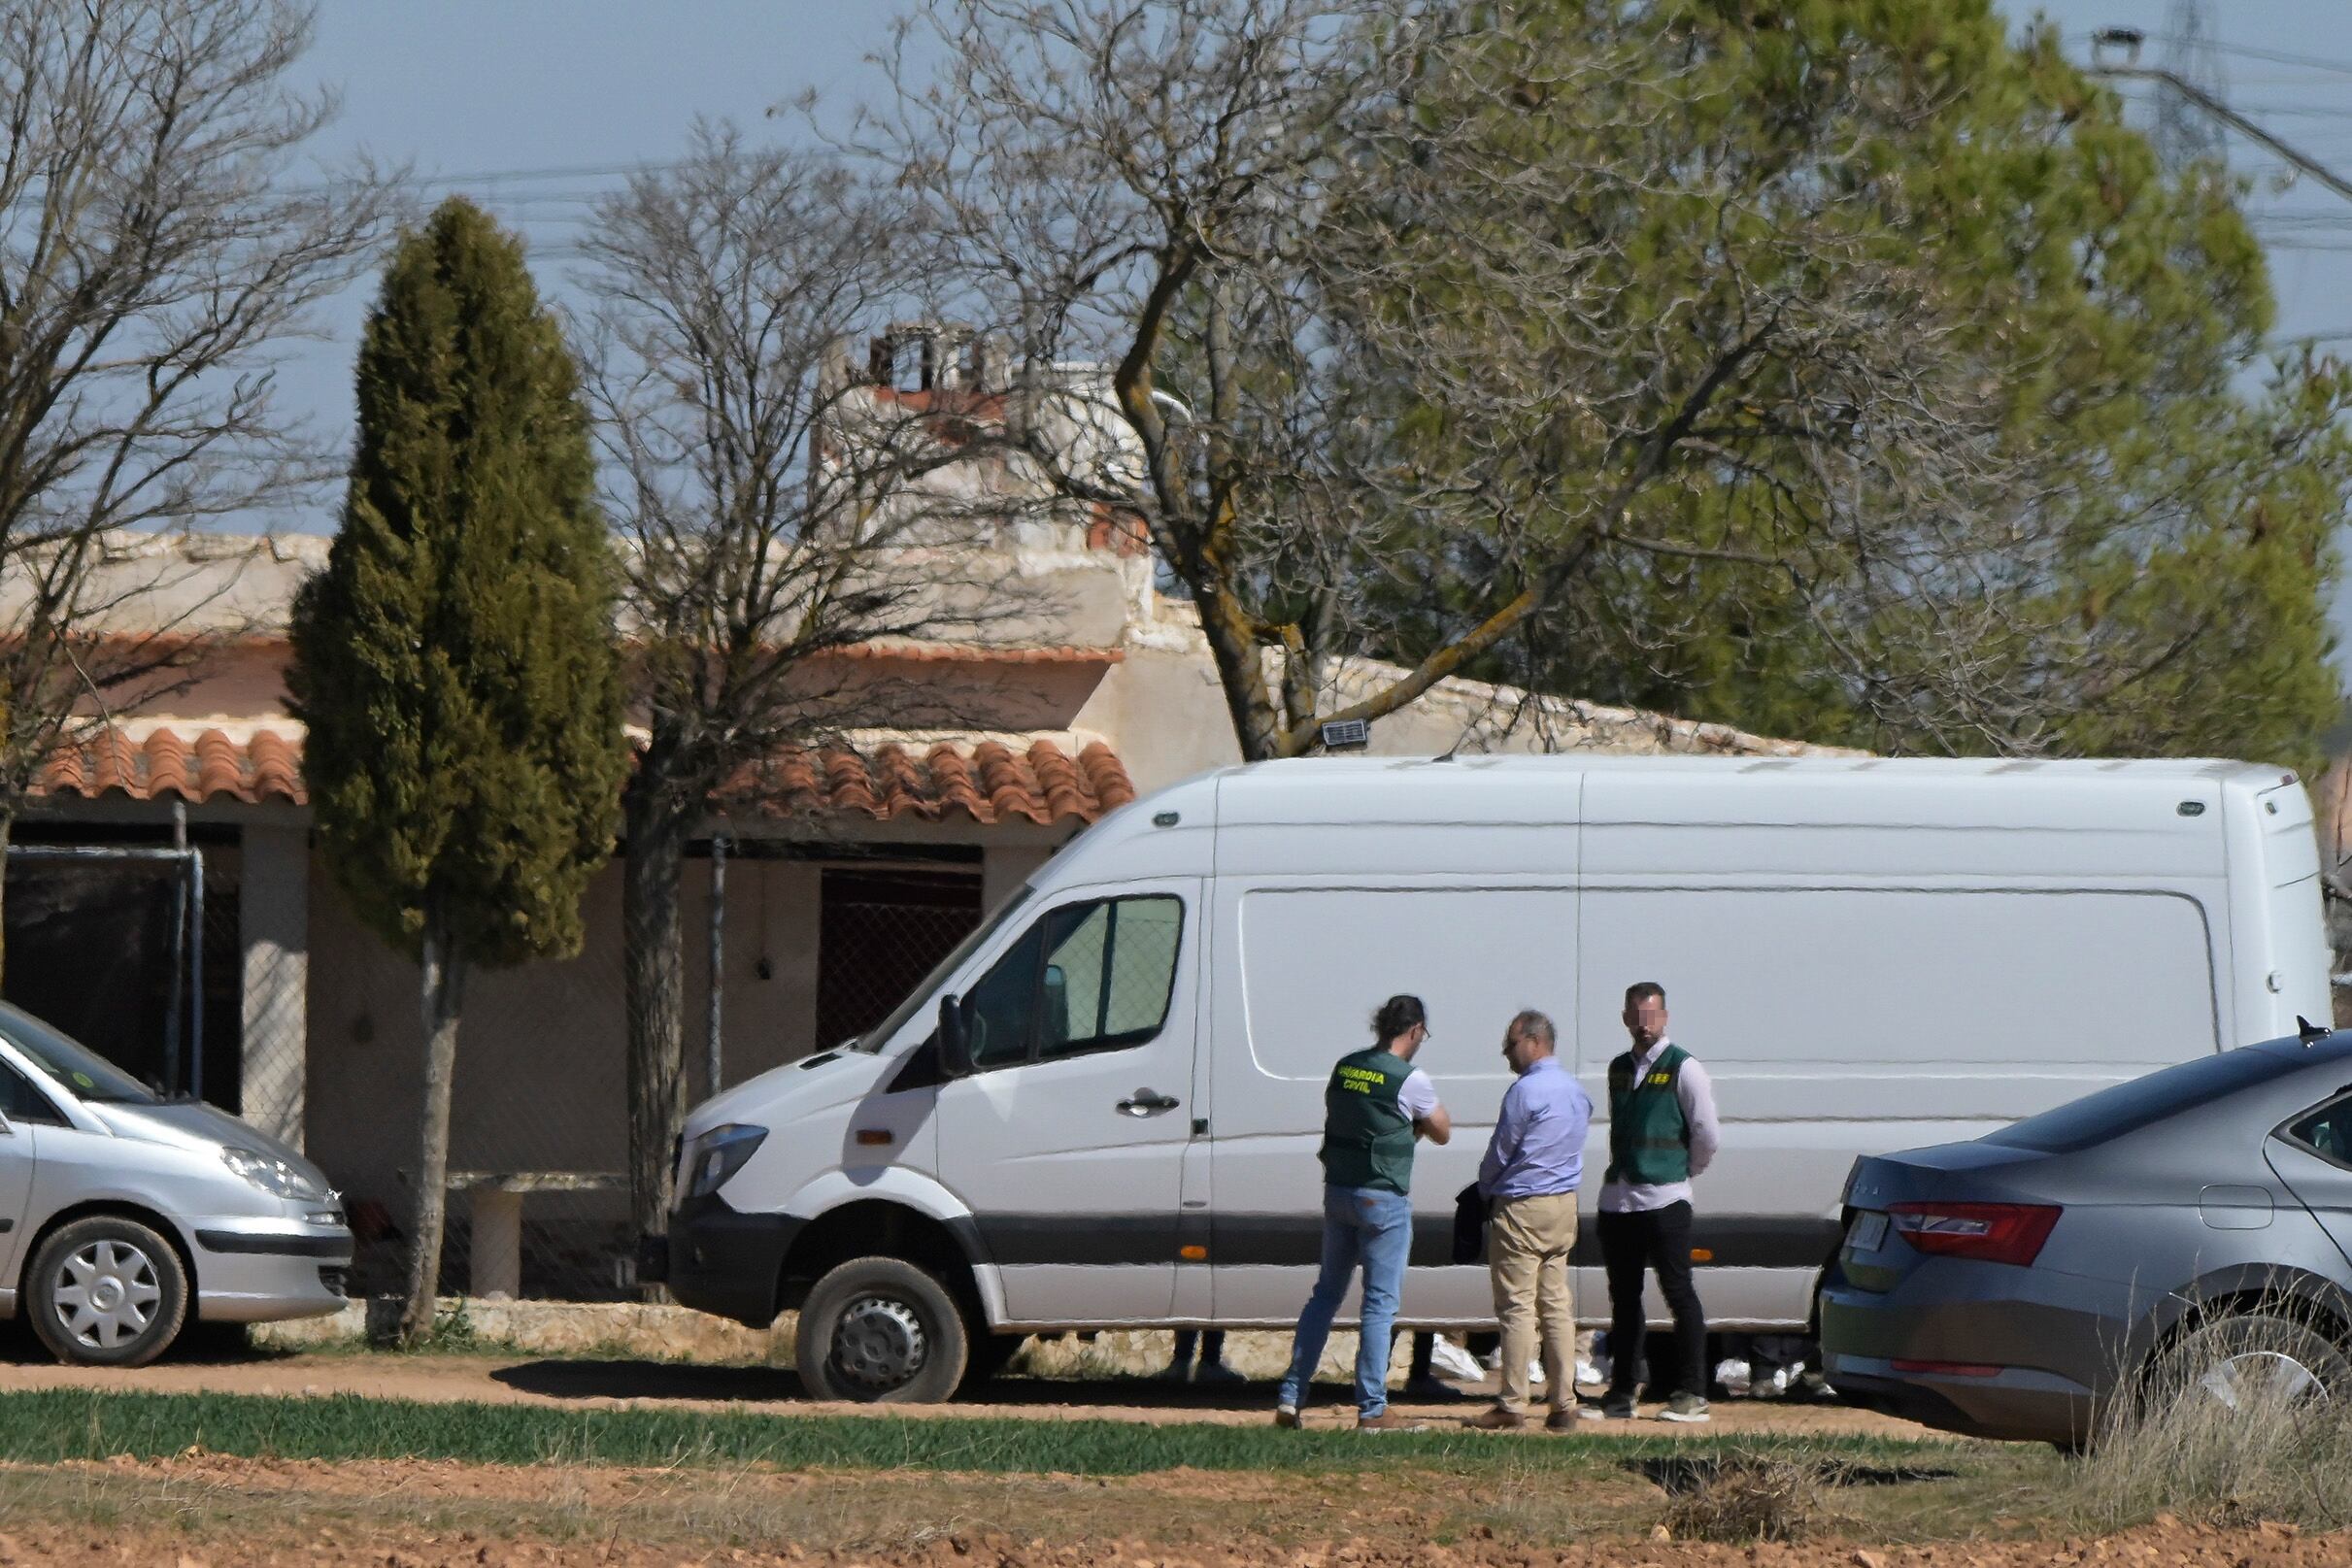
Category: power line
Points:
column 483, row 178
column 2130, row 39
column 2183, row 135
column 2309, row 62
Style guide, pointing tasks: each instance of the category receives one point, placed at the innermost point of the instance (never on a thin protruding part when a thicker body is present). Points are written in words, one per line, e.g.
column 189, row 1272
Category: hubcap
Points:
column 2255, row 1377
column 879, row 1344
column 107, row 1294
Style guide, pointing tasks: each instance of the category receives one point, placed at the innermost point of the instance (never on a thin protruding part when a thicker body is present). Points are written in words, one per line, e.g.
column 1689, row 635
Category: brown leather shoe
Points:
column 1387, row 1420
column 1563, row 1421
column 1496, row 1420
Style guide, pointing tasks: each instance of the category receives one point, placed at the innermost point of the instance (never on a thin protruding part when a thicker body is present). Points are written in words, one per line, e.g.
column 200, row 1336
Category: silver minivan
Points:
column 124, row 1214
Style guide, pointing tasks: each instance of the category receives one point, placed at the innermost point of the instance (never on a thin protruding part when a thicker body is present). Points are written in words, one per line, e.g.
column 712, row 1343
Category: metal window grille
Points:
column 881, row 931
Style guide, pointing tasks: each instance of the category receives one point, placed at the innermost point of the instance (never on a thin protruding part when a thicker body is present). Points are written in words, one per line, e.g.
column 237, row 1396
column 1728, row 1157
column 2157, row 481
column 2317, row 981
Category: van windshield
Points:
column 2129, row 1107
column 875, row 1038
column 78, row 1069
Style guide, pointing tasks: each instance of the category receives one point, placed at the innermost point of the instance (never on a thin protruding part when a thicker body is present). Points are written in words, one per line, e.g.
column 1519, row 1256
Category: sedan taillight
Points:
column 1988, row 1232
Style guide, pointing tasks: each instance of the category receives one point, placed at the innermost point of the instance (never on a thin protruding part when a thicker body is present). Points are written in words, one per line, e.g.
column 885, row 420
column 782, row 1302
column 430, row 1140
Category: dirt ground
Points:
column 208, row 1512
column 589, row 1384
column 200, row 1510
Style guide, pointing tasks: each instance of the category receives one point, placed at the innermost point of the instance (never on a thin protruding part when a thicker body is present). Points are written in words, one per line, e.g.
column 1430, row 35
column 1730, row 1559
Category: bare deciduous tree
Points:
column 772, row 492
column 1374, row 279
column 153, row 254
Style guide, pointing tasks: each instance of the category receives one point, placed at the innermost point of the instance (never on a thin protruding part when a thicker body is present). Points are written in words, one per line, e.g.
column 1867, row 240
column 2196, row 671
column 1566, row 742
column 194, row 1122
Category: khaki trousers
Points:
column 1528, row 1241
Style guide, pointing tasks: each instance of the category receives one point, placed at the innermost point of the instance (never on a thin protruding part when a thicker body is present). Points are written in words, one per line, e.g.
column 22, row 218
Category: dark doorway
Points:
column 89, row 951
column 879, row 931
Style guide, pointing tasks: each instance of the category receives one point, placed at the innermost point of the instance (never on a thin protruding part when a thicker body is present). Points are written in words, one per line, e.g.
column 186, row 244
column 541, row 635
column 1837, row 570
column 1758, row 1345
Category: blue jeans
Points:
column 1373, row 1228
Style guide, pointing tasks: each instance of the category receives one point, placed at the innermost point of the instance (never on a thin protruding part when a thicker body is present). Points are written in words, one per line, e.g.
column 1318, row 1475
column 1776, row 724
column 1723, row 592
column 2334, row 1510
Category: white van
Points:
column 1120, row 1131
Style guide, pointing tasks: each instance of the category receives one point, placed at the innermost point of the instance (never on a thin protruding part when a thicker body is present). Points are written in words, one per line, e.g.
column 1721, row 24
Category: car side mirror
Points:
column 955, row 1041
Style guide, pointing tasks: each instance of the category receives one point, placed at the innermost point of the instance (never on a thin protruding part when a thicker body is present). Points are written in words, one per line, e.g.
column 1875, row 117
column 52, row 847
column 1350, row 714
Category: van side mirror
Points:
column 955, row 1042
column 1054, row 1027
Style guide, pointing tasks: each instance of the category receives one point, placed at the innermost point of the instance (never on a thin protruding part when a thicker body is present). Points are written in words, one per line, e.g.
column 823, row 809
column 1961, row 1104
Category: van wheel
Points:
column 107, row 1291
column 879, row 1329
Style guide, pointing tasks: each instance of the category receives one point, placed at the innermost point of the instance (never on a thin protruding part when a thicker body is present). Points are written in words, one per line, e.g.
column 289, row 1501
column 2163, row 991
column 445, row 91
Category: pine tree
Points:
column 2158, row 584
column 455, row 660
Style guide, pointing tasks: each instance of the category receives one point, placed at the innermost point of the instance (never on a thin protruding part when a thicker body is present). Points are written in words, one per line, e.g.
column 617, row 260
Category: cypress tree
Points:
column 455, row 660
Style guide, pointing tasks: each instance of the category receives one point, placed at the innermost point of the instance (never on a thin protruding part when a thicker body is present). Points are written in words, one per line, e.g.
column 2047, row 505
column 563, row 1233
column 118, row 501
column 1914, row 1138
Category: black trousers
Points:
column 1632, row 1245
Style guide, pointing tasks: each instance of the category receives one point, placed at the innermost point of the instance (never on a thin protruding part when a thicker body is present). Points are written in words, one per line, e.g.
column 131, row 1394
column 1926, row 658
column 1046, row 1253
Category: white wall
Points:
column 1163, row 710
column 541, row 1057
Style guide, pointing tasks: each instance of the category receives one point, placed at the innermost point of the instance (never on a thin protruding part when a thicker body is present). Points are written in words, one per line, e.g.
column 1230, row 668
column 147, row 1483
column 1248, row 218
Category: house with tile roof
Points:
column 846, row 868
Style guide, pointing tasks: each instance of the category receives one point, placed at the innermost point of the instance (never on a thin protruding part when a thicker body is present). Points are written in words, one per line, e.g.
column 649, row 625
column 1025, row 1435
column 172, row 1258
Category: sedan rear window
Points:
column 2327, row 1132
column 2127, row 1107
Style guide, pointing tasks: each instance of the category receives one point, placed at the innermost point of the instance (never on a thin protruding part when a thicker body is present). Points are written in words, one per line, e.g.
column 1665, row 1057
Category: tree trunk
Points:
column 1241, row 674
column 441, row 983
column 653, row 968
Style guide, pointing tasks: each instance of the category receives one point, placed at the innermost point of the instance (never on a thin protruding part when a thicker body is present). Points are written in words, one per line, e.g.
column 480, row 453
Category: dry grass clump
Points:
column 2229, row 1454
column 1745, row 1497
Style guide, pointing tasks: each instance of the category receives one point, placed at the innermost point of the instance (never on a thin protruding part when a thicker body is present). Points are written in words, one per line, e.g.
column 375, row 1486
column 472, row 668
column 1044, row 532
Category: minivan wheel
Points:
column 107, row 1291
column 879, row 1329
column 2247, row 1357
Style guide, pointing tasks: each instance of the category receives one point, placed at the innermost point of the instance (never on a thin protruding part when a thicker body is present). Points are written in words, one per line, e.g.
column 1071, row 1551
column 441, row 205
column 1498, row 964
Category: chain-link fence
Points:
column 536, row 1189
column 101, row 943
column 814, row 953
column 881, row 930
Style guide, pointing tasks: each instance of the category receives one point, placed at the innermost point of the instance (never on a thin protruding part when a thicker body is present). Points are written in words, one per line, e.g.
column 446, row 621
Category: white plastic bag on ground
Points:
column 1451, row 1360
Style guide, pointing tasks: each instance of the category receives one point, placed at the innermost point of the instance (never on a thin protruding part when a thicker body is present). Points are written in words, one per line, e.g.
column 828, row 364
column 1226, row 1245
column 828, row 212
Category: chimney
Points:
column 988, row 357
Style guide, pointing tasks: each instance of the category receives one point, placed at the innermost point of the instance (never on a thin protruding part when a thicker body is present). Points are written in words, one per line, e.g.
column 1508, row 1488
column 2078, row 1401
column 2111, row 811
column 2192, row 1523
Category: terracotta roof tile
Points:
column 989, row 782
column 914, row 652
column 165, row 765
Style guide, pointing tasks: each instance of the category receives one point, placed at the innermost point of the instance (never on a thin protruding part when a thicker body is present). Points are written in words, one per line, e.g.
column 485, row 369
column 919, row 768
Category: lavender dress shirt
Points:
column 1538, row 1143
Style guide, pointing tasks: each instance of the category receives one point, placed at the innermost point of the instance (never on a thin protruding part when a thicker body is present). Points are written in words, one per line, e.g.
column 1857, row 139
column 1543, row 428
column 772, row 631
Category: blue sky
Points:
column 535, row 109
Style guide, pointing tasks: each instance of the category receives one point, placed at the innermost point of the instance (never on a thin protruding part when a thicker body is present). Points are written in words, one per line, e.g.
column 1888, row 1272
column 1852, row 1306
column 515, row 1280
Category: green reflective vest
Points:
column 1367, row 1139
column 1649, row 1136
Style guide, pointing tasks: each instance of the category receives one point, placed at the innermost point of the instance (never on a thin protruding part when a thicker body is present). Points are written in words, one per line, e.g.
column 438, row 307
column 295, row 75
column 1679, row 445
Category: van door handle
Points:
column 1147, row 1103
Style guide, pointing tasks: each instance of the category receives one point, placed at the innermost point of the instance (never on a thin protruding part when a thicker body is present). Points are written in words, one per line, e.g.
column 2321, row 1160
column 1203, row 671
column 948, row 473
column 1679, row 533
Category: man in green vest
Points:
column 1376, row 1104
column 1661, row 1133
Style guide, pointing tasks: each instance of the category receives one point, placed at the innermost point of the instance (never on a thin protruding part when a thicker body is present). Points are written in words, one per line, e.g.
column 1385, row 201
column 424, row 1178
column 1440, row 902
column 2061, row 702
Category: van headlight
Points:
column 276, row 1177
column 717, row 1155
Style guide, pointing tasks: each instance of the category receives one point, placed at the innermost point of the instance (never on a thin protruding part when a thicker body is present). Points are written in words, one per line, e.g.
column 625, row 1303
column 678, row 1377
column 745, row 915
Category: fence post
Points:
column 179, row 945
column 195, row 991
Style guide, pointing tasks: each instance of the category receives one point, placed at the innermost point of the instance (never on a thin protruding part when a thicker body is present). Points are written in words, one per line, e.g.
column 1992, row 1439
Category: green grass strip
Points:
column 48, row 1425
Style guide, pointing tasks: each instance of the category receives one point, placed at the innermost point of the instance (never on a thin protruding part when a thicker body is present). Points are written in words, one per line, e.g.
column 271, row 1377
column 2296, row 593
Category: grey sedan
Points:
column 2198, row 1219
column 123, row 1214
